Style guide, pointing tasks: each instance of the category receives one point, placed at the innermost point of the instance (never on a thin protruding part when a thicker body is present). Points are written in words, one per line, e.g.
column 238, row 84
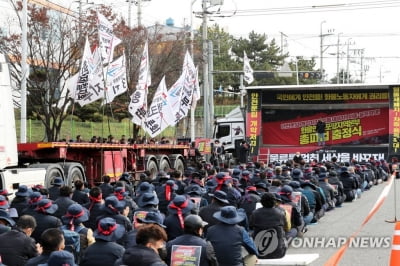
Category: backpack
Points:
column 310, row 197
column 75, row 241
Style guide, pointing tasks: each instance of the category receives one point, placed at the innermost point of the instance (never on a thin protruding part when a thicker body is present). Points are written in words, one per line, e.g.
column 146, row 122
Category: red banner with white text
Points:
column 253, row 121
column 357, row 126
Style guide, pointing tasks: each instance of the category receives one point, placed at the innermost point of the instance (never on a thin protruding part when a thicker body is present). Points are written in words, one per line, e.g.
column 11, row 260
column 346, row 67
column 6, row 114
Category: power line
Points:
column 308, row 9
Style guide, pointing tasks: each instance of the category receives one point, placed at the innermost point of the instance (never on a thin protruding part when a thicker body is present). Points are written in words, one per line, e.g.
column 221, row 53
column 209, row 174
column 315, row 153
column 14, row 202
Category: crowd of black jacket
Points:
column 273, row 204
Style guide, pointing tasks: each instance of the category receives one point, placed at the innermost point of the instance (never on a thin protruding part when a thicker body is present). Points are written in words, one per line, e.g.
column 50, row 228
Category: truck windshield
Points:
column 223, row 130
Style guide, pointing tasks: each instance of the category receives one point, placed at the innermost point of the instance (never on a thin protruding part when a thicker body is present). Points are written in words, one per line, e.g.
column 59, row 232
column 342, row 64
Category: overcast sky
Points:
column 364, row 24
column 371, row 25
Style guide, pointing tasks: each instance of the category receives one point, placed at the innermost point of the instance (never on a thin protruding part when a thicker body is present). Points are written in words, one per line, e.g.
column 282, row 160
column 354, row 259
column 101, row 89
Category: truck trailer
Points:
column 39, row 163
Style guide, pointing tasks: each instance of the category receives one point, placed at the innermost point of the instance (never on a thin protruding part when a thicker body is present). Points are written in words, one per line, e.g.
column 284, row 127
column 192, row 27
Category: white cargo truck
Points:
column 11, row 175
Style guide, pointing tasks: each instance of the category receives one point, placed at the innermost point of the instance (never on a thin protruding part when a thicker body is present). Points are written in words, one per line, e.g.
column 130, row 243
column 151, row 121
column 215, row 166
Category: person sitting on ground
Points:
column 63, row 201
column 73, row 221
column 54, row 191
column 149, row 239
column 122, row 195
column 269, row 220
column 349, row 184
column 228, row 238
column 16, row 246
column 296, row 220
column 21, row 200
column 60, row 258
column 113, row 208
column 51, row 240
column 6, row 222
column 44, row 217
column 152, row 217
column 34, row 198
column 328, row 190
column 178, row 209
column 79, row 196
column 194, row 227
column 106, row 188
column 334, row 181
column 105, row 251
column 94, row 207
column 5, row 193
column 219, row 200
column 125, row 181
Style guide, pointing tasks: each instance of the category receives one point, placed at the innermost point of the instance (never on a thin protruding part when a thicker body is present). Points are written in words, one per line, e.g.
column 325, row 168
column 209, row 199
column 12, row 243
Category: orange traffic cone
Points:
column 395, row 254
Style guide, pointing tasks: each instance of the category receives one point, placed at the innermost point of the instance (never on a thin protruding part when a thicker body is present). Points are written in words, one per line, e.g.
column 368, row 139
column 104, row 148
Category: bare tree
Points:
column 55, row 46
column 52, row 53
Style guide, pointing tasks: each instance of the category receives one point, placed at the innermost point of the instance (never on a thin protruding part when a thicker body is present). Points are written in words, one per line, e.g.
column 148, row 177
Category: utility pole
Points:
column 283, row 36
column 25, row 69
column 362, row 66
column 129, row 13
column 211, row 80
column 338, row 60
column 348, row 60
column 139, row 12
column 207, row 126
column 322, row 49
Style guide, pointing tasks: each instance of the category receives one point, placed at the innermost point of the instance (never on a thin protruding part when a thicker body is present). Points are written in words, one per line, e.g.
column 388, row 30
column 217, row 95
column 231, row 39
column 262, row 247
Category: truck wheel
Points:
column 74, row 174
column 51, row 173
column 179, row 165
column 152, row 168
column 164, row 165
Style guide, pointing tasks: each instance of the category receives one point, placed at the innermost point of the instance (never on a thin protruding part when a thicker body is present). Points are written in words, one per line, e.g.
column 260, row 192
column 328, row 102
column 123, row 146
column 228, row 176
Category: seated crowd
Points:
column 231, row 215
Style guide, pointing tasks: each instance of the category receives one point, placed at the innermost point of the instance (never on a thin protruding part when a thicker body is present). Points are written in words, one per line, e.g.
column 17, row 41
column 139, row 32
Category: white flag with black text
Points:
column 116, row 83
column 81, row 92
column 138, row 103
column 107, row 40
column 159, row 115
column 181, row 93
column 248, row 71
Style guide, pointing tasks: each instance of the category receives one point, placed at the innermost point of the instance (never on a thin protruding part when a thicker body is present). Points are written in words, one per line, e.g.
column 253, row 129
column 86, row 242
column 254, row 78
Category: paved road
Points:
column 342, row 223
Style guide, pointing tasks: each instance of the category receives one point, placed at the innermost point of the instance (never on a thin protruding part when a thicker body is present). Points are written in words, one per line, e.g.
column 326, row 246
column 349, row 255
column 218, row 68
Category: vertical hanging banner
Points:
column 88, row 84
column 248, row 71
column 181, row 93
column 394, row 120
column 196, row 93
column 115, row 79
column 81, row 92
column 96, row 81
column 107, row 40
column 138, row 104
column 174, row 95
column 159, row 114
column 253, row 122
column 189, row 86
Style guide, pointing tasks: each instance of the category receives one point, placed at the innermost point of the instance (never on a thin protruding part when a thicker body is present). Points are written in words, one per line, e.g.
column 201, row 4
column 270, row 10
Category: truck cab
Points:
column 230, row 130
column 11, row 176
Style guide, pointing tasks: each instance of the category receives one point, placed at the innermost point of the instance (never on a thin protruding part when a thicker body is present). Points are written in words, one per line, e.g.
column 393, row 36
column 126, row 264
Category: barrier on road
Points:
column 395, row 254
column 290, row 259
